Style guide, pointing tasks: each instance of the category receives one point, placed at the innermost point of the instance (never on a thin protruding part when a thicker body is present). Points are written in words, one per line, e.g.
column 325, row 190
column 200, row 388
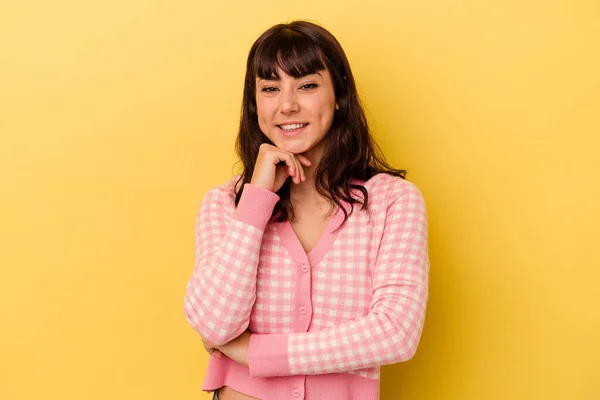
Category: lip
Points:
column 291, row 133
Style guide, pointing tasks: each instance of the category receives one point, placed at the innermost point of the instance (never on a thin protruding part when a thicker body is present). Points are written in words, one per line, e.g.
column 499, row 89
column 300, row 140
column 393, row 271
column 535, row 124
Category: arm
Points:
column 222, row 289
column 390, row 332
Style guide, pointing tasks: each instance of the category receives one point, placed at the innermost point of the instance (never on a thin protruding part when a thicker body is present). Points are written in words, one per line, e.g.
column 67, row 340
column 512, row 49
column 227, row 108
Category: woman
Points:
column 311, row 267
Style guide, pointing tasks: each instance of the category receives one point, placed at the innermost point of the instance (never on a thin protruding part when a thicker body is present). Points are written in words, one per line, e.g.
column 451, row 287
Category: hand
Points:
column 270, row 174
column 237, row 349
column 211, row 349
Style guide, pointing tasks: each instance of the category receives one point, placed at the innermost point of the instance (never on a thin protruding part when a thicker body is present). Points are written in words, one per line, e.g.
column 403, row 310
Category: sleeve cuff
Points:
column 256, row 206
column 268, row 355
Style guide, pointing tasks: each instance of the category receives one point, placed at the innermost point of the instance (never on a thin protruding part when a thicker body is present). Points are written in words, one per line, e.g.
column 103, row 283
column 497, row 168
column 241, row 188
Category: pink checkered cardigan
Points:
column 324, row 322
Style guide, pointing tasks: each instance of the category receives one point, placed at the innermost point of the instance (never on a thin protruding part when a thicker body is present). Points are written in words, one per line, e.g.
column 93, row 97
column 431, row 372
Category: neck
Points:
column 305, row 198
column 306, row 191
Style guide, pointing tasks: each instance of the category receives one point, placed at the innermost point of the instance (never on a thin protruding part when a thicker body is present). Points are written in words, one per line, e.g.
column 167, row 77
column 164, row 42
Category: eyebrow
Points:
column 278, row 79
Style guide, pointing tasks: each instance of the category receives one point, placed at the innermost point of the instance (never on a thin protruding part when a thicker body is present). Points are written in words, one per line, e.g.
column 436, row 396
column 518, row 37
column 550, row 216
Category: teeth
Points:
column 291, row 127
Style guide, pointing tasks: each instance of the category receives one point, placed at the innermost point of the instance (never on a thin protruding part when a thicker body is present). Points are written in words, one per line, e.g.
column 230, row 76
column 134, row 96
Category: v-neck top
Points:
column 294, row 247
column 322, row 323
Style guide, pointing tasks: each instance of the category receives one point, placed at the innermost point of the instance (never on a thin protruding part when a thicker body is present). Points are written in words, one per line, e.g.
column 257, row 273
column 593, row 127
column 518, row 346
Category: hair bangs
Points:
column 290, row 51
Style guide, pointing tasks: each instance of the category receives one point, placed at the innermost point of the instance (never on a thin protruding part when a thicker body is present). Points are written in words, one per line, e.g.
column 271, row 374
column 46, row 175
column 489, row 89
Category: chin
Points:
column 298, row 149
column 294, row 148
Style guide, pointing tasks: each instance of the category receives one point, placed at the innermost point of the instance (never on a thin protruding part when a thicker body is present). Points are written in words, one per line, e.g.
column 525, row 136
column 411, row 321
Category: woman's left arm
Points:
column 388, row 334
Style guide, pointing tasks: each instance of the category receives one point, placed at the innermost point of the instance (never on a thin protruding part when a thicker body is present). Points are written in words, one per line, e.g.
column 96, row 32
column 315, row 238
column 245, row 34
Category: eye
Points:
column 309, row 86
column 268, row 89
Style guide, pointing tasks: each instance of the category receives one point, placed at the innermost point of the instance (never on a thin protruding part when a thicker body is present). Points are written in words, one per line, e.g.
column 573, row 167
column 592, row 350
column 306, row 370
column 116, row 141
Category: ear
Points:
column 337, row 106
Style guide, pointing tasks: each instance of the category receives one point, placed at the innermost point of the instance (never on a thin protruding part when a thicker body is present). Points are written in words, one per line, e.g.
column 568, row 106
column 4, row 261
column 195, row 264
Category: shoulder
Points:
column 385, row 189
column 222, row 195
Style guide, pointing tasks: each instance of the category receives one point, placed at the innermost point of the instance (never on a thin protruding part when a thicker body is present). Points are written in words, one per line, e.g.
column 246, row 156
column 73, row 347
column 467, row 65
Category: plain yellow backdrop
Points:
column 116, row 117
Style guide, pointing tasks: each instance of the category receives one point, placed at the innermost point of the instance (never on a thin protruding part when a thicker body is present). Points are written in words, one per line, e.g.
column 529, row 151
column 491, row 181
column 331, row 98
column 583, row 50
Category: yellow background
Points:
column 117, row 116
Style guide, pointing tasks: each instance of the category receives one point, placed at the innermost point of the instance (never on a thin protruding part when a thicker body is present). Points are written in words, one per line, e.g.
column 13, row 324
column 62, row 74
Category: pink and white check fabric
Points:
column 325, row 320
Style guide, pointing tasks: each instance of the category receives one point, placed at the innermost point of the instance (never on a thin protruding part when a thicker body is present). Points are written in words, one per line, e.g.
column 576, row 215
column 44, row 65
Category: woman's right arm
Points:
column 222, row 289
column 221, row 292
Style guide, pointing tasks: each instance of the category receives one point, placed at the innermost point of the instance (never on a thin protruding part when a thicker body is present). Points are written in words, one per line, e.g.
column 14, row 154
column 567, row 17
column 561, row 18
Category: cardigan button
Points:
column 304, row 268
column 302, row 310
column 296, row 393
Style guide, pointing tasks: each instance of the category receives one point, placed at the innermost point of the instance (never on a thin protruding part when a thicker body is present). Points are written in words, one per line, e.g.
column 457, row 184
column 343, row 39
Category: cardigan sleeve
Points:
column 222, row 289
column 391, row 330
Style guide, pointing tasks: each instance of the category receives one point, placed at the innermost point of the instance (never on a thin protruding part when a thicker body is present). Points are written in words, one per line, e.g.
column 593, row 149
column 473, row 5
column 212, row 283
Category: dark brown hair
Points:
column 301, row 48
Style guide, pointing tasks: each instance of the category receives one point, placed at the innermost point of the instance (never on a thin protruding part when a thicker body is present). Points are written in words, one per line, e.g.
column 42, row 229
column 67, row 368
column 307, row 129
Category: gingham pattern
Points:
column 274, row 310
column 371, row 288
column 368, row 292
column 222, row 289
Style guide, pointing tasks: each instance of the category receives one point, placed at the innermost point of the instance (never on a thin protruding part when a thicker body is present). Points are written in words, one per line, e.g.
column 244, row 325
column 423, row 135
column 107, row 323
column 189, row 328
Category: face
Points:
column 296, row 113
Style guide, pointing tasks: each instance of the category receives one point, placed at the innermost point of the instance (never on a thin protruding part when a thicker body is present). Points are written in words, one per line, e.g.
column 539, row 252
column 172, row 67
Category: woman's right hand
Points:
column 270, row 174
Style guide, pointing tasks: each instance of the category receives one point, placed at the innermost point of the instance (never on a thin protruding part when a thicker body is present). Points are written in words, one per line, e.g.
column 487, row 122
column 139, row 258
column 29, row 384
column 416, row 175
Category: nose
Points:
column 288, row 102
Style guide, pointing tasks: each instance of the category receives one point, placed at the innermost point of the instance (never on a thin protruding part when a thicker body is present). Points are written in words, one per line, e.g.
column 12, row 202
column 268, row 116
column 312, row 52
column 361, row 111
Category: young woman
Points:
column 311, row 266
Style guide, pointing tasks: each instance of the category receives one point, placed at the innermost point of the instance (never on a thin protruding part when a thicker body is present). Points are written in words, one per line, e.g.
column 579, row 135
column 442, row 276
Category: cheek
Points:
column 260, row 114
column 325, row 104
column 326, row 113
column 265, row 120
column 264, row 127
column 264, row 110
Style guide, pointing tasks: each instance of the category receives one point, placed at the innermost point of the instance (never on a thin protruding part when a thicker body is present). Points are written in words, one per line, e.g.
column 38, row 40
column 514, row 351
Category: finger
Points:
column 292, row 172
column 300, row 170
column 216, row 354
column 301, row 176
column 293, row 166
column 303, row 172
column 303, row 159
column 287, row 158
column 296, row 174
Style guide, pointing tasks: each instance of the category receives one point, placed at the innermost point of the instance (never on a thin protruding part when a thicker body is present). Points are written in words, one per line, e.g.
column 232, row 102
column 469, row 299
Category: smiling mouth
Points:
column 291, row 128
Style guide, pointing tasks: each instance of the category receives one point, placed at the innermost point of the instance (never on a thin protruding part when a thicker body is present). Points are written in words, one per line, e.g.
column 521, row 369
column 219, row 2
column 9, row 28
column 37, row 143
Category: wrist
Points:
column 256, row 205
column 257, row 183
